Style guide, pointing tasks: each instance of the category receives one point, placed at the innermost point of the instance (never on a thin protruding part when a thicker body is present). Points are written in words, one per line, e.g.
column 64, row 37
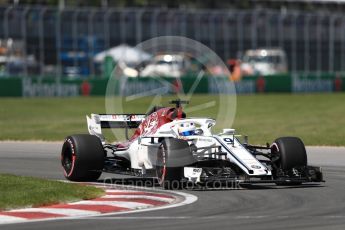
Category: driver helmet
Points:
column 186, row 129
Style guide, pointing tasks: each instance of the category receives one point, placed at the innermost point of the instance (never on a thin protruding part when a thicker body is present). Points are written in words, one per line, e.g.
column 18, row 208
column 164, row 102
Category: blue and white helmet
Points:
column 186, row 129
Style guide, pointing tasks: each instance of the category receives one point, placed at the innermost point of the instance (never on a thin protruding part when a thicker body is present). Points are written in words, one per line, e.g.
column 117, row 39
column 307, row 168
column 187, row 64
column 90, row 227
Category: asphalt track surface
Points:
column 260, row 207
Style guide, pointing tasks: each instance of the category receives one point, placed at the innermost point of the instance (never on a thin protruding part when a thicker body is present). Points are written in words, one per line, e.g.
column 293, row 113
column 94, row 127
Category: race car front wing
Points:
column 208, row 175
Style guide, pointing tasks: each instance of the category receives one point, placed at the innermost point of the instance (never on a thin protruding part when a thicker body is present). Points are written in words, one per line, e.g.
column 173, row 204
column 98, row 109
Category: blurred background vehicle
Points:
column 167, row 65
column 265, row 61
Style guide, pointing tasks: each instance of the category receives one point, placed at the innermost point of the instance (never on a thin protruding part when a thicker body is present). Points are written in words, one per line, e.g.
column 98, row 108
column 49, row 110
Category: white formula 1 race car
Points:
column 177, row 150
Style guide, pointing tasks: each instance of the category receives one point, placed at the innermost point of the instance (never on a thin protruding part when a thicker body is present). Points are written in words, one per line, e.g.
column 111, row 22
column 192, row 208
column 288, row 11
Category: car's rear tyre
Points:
column 289, row 153
column 82, row 157
column 173, row 154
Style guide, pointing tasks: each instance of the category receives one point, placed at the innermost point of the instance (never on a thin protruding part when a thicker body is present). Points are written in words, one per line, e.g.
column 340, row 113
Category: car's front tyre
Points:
column 288, row 153
column 173, row 154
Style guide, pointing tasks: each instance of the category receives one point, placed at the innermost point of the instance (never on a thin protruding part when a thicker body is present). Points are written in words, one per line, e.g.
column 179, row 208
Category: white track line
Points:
column 62, row 211
column 125, row 204
column 141, row 197
column 118, row 190
column 10, row 219
column 107, row 190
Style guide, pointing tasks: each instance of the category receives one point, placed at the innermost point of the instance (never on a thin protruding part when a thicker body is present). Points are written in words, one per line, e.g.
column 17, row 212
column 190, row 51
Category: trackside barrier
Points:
column 285, row 83
column 10, row 87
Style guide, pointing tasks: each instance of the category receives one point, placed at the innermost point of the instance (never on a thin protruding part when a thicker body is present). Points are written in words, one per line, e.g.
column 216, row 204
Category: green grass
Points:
column 20, row 191
column 317, row 118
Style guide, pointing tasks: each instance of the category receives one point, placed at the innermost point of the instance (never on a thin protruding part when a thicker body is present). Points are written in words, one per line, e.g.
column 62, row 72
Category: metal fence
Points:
column 314, row 42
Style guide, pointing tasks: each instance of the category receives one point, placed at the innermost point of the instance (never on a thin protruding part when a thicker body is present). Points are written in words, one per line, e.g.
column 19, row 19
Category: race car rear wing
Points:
column 120, row 120
column 96, row 122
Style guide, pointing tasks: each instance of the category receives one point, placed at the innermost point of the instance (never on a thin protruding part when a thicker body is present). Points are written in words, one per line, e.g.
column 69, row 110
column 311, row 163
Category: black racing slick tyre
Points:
column 173, row 154
column 290, row 151
column 82, row 157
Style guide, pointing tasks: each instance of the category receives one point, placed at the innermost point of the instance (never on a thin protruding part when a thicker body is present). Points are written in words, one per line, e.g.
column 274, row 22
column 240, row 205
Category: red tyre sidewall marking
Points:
column 161, row 180
column 73, row 158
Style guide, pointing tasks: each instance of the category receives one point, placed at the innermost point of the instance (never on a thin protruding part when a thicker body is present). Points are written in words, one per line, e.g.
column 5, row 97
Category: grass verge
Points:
column 317, row 118
column 20, row 191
